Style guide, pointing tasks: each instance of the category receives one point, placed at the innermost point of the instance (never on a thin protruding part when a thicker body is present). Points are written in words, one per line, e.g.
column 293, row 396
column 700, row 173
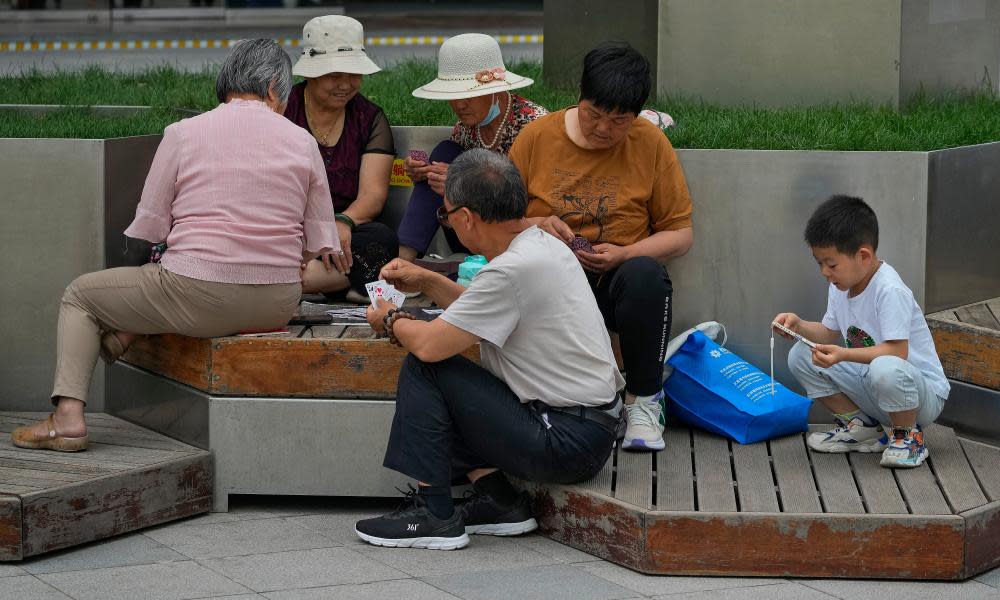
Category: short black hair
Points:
column 488, row 184
column 616, row 78
column 844, row 222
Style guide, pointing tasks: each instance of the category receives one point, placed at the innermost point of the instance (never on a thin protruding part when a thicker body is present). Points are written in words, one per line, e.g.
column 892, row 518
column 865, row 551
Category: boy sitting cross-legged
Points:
column 888, row 375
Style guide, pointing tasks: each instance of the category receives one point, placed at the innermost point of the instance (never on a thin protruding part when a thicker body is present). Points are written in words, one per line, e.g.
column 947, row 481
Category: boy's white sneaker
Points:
column 907, row 449
column 644, row 431
column 855, row 436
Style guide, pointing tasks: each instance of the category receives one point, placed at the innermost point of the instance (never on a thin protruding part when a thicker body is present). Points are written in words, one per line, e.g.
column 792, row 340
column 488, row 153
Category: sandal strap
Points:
column 51, row 425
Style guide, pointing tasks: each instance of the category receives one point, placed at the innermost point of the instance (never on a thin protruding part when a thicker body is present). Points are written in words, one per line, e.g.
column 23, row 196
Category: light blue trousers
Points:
column 889, row 384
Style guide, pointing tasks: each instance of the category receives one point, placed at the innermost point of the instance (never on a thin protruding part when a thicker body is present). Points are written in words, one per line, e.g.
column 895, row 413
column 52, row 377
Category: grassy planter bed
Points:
column 922, row 125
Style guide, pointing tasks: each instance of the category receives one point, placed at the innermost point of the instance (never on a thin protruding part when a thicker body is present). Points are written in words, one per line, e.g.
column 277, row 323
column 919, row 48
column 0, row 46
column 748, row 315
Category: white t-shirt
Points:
column 886, row 310
column 540, row 327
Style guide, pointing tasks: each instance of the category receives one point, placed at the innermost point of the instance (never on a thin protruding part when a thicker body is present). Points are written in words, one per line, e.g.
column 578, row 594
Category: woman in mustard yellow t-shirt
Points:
column 597, row 171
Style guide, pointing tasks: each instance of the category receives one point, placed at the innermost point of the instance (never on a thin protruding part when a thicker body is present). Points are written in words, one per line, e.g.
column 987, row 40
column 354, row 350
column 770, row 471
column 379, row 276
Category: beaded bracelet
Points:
column 390, row 318
column 346, row 220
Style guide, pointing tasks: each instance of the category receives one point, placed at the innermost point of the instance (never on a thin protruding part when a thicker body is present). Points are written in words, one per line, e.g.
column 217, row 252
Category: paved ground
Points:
column 297, row 549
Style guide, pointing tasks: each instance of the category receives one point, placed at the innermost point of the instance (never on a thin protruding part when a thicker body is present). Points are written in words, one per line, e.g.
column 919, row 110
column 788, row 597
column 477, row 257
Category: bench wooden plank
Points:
column 754, row 481
column 178, row 357
column 14, row 474
column 96, row 454
column 326, row 331
column 994, row 307
column 968, row 353
column 675, row 471
column 794, row 475
column 921, row 491
column 116, row 437
column 985, row 461
column 713, row 473
column 634, row 482
column 952, row 469
column 601, row 483
column 836, row 485
column 878, row 486
column 359, row 332
column 54, row 467
column 10, row 528
column 977, row 314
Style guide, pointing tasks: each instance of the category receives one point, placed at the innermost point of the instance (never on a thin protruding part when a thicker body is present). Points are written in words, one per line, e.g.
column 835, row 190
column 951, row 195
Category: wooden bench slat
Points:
column 601, row 483
column 794, row 475
column 713, row 473
column 97, row 428
column 921, row 491
column 877, row 485
column 52, row 467
column 994, row 307
column 977, row 314
column 985, row 461
column 359, row 332
column 634, row 482
column 326, row 331
column 754, row 481
column 836, row 485
column 968, row 352
column 675, row 471
column 952, row 469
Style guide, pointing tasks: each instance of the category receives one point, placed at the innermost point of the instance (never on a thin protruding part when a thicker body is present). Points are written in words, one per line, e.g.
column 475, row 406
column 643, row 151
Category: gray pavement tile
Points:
column 339, row 527
column 11, row 570
column 911, row 590
column 121, row 551
column 410, row 589
column 652, row 585
column 240, row 538
column 240, row 597
column 302, row 569
column 990, row 578
column 164, row 581
column 552, row 582
column 484, row 553
column 781, row 591
column 558, row 552
column 27, row 587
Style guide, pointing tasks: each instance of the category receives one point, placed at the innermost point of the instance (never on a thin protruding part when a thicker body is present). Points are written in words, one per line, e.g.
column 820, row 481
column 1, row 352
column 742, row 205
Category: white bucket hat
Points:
column 470, row 65
column 333, row 44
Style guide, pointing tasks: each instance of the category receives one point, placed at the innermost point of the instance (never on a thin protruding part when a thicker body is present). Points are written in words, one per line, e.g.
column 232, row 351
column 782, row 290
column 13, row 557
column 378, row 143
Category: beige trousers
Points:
column 149, row 299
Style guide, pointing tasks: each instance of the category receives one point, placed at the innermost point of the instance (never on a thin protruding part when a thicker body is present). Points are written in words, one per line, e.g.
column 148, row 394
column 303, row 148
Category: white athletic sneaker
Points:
column 644, row 430
column 853, row 437
column 907, row 449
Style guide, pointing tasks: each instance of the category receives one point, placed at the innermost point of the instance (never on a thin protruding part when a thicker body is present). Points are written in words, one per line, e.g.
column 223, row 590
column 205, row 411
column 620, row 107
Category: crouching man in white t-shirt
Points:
column 543, row 406
column 874, row 364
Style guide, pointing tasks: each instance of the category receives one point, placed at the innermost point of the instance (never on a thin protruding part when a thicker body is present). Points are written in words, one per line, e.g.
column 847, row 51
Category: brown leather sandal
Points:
column 111, row 347
column 23, row 437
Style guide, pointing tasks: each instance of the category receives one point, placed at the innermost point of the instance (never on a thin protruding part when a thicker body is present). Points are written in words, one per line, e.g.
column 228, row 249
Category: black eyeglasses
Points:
column 442, row 215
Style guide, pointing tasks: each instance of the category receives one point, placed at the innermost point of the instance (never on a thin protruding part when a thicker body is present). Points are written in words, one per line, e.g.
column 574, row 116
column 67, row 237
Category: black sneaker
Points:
column 484, row 516
column 414, row 526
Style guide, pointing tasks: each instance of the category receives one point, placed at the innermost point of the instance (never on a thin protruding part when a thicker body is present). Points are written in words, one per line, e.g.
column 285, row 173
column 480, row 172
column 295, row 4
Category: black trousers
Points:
column 635, row 299
column 454, row 416
column 373, row 246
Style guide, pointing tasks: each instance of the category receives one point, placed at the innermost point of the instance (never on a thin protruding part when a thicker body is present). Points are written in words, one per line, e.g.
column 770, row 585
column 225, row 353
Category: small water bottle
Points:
column 468, row 269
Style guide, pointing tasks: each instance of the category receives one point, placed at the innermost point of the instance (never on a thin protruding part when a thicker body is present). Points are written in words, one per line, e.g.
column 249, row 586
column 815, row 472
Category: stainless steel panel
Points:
column 749, row 260
column 973, row 411
column 126, row 163
column 52, row 232
column 323, row 447
column 963, row 219
column 158, row 403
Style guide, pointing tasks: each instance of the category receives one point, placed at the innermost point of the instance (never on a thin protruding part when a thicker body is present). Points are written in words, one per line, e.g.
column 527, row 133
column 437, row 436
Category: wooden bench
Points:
column 708, row 506
column 967, row 339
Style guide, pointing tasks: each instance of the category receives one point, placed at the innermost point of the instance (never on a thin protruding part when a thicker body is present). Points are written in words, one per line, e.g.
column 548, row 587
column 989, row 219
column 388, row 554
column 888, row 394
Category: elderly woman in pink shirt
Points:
column 240, row 195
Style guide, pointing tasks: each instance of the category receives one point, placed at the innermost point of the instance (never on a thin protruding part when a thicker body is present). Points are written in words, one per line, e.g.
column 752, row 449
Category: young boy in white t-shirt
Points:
column 874, row 365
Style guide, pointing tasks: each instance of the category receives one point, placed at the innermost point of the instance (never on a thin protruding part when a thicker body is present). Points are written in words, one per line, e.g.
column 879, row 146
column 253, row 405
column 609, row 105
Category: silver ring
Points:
column 338, row 252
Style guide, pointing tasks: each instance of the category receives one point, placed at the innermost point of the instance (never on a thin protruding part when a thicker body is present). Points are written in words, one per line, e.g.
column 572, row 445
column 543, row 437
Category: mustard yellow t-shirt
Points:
column 620, row 195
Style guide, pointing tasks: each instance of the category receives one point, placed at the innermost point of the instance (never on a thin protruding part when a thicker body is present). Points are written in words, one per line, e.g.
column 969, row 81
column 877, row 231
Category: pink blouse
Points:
column 236, row 193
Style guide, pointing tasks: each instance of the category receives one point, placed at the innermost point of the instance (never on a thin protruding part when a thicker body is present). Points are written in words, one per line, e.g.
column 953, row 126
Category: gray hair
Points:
column 253, row 67
column 488, row 184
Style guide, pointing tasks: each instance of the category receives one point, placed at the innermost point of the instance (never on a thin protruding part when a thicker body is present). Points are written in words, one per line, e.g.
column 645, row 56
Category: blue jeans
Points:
column 888, row 385
column 453, row 417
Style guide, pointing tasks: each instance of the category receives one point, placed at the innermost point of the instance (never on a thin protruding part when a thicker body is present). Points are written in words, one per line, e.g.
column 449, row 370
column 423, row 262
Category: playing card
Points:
column 420, row 155
column 395, row 296
column 376, row 289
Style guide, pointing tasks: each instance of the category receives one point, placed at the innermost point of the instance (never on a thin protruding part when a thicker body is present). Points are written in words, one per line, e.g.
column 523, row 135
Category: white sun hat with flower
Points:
column 333, row 44
column 470, row 65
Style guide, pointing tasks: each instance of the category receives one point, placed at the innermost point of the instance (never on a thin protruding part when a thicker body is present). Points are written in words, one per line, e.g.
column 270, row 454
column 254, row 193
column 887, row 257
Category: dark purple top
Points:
column 365, row 130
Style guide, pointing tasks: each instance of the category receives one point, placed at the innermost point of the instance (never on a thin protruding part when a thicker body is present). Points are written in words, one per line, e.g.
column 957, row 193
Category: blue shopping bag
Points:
column 713, row 389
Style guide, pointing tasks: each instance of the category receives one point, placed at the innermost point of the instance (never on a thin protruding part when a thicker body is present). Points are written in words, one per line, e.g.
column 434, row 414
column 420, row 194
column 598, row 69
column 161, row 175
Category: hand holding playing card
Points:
column 605, row 257
column 406, row 276
column 380, row 290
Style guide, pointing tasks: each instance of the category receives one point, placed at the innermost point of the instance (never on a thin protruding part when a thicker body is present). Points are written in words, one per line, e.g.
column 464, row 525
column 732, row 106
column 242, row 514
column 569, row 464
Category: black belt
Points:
column 598, row 414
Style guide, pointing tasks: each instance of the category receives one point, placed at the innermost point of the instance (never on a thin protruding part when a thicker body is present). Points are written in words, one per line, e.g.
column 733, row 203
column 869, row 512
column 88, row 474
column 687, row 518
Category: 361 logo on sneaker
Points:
column 411, row 526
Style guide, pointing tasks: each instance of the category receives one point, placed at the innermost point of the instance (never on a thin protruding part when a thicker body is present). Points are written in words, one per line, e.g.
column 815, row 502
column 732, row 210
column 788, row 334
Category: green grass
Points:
column 923, row 123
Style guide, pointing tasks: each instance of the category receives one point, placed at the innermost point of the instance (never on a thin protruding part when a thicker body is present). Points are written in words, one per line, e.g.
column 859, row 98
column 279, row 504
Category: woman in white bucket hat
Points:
column 473, row 79
column 355, row 141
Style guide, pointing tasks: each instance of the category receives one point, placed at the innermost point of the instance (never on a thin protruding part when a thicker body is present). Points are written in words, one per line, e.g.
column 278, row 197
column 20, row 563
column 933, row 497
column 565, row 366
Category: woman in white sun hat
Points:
column 356, row 144
column 473, row 79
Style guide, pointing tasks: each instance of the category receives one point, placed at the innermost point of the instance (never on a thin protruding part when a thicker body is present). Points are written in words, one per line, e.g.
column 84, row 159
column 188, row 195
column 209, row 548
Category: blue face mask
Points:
column 493, row 113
